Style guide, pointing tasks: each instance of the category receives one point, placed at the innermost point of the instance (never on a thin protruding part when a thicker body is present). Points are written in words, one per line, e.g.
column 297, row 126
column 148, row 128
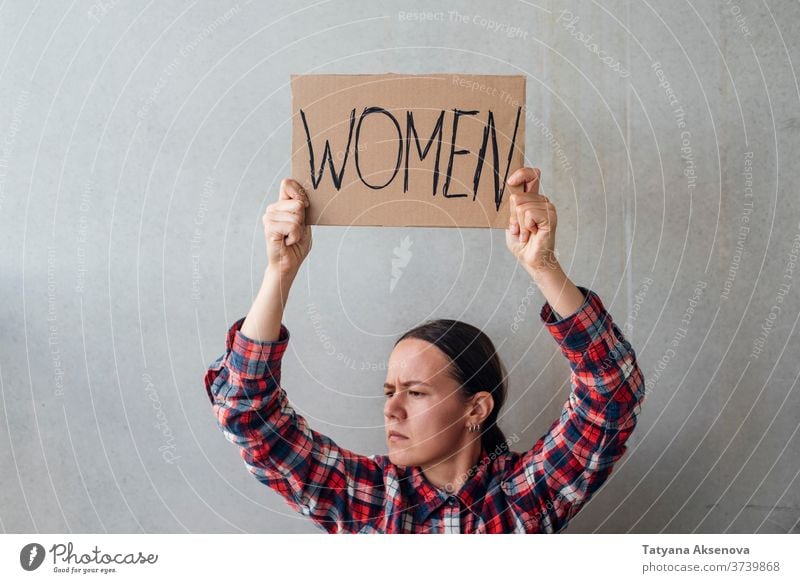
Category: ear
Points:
column 481, row 406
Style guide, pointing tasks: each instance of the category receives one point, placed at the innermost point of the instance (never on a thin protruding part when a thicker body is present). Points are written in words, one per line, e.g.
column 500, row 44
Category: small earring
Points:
column 474, row 428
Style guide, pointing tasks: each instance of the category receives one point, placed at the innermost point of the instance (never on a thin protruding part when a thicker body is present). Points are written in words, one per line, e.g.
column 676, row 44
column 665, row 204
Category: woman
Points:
column 449, row 467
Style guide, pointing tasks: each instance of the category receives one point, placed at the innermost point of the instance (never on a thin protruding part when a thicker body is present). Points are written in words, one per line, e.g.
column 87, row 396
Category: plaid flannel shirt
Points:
column 536, row 491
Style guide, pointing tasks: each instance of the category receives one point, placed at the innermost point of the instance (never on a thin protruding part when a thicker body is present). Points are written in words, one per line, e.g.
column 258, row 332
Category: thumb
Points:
column 511, row 240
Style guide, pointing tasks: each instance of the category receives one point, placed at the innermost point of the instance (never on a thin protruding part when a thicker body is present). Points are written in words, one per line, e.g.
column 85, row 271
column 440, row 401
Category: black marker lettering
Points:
column 453, row 152
column 482, row 155
column 368, row 111
column 327, row 155
column 498, row 190
column 423, row 153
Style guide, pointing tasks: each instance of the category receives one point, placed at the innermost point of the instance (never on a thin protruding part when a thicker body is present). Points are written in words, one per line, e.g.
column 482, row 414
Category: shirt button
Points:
column 451, row 501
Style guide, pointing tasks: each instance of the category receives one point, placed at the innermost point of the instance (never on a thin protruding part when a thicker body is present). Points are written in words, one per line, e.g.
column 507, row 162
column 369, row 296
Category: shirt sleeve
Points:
column 568, row 464
column 339, row 490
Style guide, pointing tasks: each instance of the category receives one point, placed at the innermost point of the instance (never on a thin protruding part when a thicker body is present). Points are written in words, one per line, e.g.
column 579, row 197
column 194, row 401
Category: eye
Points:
column 412, row 393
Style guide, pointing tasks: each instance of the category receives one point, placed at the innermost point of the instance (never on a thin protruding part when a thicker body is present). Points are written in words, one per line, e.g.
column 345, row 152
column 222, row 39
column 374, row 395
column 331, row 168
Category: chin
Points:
column 400, row 456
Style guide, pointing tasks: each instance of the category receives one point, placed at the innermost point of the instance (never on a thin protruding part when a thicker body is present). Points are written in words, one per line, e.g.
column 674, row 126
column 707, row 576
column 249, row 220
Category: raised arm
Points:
column 289, row 241
column 559, row 474
column 570, row 462
column 339, row 490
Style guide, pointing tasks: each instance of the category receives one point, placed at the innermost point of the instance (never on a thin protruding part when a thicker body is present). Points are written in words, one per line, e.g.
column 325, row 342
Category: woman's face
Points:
column 423, row 403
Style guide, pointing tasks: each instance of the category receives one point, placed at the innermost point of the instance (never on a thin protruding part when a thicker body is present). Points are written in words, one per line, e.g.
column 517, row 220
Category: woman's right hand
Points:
column 287, row 236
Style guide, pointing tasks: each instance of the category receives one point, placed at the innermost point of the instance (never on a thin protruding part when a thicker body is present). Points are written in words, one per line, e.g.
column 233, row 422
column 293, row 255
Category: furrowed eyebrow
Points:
column 405, row 384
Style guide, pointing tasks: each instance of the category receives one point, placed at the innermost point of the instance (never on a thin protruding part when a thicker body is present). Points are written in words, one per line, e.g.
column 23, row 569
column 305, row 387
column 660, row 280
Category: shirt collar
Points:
column 429, row 497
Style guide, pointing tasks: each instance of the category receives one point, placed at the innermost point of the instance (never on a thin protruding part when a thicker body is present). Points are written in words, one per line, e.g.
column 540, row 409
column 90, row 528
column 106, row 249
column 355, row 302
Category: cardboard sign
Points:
column 407, row 150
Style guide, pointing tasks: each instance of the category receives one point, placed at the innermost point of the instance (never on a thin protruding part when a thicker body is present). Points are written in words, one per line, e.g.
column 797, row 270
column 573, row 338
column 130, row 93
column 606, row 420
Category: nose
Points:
column 394, row 408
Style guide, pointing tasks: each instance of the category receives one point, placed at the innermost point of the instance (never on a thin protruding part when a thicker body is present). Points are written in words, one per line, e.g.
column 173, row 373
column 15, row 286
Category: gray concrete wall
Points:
column 142, row 142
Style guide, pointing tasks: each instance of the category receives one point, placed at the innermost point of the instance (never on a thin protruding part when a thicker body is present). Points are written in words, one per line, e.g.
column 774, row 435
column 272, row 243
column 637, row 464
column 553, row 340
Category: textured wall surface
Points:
column 141, row 142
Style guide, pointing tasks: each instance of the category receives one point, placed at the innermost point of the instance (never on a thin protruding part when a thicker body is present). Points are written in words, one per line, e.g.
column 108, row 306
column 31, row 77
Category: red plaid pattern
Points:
column 538, row 490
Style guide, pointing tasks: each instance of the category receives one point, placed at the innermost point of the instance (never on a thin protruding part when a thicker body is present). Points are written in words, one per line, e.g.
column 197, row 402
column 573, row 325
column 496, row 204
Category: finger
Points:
column 540, row 209
column 523, row 222
column 286, row 216
column 294, row 207
column 290, row 205
column 532, row 185
column 275, row 235
column 524, row 232
column 277, row 229
column 532, row 221
column 294, row 234
column 511, row 239
column 513, row 222
column 281, row 229
column 523, row 176
column 291, row 189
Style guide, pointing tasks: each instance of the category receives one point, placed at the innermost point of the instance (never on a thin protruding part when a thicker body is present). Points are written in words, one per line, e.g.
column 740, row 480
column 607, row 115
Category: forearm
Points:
column 559, row 291
column 341, row 491
column 263, row 321
column 602, row 362
column 576, row 455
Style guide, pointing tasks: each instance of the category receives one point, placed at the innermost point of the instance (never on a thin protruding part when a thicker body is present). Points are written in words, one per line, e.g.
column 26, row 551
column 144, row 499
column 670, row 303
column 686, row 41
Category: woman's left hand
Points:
column 531, row 233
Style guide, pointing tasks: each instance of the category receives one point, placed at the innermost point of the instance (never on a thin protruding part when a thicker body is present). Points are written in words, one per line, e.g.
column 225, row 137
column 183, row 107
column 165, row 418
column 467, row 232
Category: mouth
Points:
column 394, row 436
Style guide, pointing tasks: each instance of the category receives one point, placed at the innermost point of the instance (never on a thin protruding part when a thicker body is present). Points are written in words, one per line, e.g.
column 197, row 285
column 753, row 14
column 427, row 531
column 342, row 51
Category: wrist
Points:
column 563, row 296
column 274, row 275
column 547, row 274
column 277, row 283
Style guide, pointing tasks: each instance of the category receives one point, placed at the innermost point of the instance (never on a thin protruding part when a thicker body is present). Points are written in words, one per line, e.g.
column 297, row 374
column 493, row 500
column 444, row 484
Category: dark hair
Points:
column 475, row 364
